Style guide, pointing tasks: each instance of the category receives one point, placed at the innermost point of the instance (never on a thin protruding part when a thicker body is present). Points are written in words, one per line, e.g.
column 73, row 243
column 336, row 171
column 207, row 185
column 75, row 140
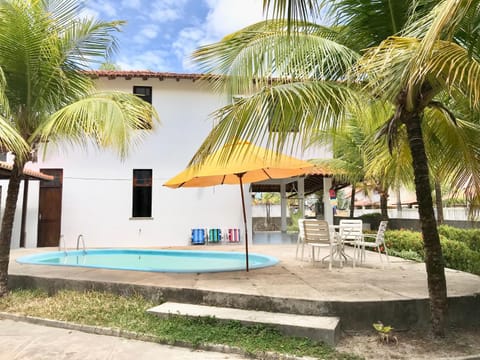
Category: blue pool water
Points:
column 180, row 261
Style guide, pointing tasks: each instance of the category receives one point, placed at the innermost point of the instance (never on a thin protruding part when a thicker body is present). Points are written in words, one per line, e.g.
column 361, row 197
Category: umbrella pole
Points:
column 244, row 219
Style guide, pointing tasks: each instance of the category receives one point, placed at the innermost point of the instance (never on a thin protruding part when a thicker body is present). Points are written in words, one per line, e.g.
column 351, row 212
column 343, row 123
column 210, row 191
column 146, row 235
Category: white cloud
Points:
column 167, row 10
column 132, row 4
column 146, row 33
column 182, row 26
column 156, row 60
column 88, row 13
column 187, row 41
column 150, row 31
column 223, row 17
column 103, row 8
column 227, row 16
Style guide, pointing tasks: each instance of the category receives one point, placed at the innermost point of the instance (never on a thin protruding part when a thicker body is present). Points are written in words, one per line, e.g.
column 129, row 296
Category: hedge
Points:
column 470, row 237
column 457, row 254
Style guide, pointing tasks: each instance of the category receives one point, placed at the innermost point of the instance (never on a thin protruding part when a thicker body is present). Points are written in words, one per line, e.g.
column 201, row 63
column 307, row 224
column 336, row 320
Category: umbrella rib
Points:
column 266, row 173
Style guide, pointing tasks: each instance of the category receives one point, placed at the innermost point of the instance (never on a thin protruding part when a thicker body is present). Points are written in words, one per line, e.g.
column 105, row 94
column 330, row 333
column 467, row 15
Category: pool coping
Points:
column 36, row 259
column 359, row 296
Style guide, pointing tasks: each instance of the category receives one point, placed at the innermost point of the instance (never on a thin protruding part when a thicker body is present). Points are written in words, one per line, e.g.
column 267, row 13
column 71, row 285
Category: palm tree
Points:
column 46, row 95
column 294, row 73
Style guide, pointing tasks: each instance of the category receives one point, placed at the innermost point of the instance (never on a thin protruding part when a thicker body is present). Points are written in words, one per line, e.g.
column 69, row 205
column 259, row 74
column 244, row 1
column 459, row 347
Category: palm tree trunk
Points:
column 437, row 287
column 7, row 223
column 384, row 204
column 352, row 201
column 438, row 201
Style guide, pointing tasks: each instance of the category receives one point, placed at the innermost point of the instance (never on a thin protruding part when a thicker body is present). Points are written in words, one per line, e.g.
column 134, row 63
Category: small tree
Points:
column 46, row 95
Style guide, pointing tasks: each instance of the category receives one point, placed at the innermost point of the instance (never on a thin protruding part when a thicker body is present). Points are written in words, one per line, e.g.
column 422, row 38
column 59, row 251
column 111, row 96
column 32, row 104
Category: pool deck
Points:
column 359, row 295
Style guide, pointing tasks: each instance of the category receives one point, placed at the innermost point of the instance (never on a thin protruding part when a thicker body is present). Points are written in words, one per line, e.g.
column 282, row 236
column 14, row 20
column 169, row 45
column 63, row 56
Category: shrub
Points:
column 405, row 240
column 470, row 237
column 457, row 255
column 406, row 254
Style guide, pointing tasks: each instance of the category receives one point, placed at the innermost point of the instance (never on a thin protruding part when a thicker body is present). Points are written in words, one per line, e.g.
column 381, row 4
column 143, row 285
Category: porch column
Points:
column 301, row 196
column 327, row 206
column 283, row 206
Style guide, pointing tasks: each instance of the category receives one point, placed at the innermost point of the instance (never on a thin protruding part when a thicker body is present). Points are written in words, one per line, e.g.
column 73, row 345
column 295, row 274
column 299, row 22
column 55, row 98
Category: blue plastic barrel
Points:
column 198, row 236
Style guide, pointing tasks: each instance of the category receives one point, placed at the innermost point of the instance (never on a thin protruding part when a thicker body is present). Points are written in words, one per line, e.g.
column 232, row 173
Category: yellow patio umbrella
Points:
column 246, row 163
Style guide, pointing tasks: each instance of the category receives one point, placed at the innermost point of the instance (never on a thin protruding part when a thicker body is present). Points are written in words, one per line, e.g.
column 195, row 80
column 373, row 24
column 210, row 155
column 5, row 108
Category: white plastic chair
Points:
column 317, row 235
column 351, row 232
column 301, row 237
column 379, row 241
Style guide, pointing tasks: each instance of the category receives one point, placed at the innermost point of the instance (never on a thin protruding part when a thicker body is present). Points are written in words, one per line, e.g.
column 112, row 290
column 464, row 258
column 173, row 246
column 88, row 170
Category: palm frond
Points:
column 283, row 117
column 440, row 24
column 109, row 119
column 10, row 140
column 253, row 57
column 44, row 45
column 365, row 24
column 388, row 69
column 453, row 151
column 293, row 11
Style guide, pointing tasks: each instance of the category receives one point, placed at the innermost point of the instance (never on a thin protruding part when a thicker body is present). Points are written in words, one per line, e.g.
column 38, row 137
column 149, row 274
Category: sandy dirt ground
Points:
column 458, row 343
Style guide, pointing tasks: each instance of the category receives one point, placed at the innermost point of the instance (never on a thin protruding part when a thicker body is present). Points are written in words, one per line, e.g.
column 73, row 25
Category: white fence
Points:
column 449, row 213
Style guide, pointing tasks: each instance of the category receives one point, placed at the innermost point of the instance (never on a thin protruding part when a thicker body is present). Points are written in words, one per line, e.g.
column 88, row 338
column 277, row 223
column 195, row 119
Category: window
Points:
column 145, row 93
column 142, row 193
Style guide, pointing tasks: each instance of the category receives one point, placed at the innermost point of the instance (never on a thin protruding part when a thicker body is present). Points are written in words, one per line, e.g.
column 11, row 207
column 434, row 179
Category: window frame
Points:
column 142, row 186
column 146, row 125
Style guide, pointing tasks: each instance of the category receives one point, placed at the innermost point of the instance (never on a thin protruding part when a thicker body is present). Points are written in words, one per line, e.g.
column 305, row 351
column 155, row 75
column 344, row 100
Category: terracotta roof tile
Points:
column 143, row 74
column 32, row 174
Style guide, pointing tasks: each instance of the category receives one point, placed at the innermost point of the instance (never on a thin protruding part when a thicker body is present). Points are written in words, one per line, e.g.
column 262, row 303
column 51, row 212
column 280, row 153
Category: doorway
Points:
column 50, row 209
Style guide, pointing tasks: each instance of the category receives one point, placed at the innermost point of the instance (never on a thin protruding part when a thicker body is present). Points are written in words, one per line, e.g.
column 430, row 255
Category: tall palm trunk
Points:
column 437, row 287
column 352, row 201
column 384, row 204
column 7, row 223
column 438, row 201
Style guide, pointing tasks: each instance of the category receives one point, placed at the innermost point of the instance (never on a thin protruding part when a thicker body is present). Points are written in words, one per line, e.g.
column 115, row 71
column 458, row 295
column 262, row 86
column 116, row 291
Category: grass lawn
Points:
column 129, row 313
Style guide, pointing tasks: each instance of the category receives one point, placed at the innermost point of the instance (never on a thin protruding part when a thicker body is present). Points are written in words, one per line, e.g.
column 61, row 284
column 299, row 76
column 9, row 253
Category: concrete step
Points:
column 321, row 328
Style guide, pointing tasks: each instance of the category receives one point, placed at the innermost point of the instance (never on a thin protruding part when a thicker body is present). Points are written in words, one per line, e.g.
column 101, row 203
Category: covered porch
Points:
column 319, row 181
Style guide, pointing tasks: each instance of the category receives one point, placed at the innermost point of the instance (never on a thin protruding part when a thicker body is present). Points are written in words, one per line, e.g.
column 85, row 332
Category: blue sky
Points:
column 160, row 35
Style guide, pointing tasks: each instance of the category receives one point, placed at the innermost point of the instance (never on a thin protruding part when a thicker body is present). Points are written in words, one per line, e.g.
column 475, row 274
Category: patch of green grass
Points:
column 129, row 313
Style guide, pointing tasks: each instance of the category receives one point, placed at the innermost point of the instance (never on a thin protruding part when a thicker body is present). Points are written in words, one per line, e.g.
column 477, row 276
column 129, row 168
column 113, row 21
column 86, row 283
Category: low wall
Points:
column 414, row 224
column 463, row 311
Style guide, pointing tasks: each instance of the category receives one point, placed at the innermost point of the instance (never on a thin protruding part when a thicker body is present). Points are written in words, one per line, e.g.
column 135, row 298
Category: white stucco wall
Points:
column 32, row 212
column 97, row 186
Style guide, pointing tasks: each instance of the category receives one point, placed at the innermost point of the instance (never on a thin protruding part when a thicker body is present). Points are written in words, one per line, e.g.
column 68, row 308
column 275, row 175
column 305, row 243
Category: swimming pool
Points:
column 179, row 261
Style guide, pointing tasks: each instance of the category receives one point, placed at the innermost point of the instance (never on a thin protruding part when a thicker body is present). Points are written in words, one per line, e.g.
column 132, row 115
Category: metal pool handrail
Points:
column 64, row 244
column 83, row 243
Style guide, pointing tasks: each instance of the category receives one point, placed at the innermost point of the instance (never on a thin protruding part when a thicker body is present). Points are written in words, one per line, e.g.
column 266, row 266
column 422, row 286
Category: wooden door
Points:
column 50, row 209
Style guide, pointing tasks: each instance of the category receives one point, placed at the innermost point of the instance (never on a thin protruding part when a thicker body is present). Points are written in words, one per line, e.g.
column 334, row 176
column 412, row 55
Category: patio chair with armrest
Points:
column 317, row 235
column 351, row 232
column 378, row 243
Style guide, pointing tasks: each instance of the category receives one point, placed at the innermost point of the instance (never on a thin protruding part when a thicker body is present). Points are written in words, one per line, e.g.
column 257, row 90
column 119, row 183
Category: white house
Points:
column 115, row 203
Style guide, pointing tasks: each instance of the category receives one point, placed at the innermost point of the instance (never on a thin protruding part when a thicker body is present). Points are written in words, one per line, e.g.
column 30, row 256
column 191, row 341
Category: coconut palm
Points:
column 436, row 54
column 46, row 95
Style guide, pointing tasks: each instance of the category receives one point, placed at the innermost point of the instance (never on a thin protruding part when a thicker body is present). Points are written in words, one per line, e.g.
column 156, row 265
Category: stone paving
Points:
column 26, row 341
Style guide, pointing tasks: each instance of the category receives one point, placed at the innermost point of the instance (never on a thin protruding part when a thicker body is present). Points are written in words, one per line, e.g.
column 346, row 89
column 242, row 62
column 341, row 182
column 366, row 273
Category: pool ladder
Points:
column 62, row 241
column 80, row 237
